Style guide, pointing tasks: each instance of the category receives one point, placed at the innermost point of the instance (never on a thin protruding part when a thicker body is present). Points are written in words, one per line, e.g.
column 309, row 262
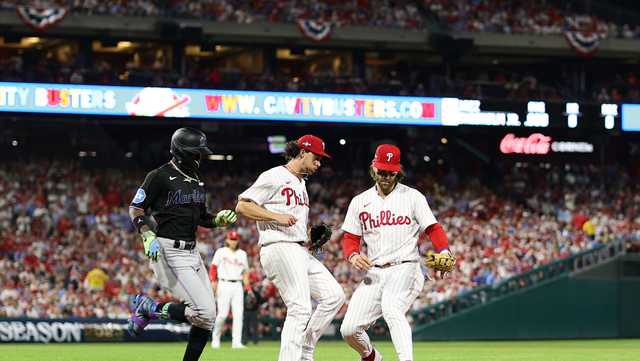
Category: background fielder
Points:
column 278, row 201
column 228, row 273
column 388, row 218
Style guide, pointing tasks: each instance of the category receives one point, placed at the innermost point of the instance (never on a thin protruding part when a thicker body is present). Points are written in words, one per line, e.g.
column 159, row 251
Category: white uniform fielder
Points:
column 296, row 273
column 390, row 228
column 231, row 266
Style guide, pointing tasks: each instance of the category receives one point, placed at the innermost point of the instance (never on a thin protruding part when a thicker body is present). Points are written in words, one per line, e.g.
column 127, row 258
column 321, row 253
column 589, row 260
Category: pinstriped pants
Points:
column 389, row 293
column 299, row 277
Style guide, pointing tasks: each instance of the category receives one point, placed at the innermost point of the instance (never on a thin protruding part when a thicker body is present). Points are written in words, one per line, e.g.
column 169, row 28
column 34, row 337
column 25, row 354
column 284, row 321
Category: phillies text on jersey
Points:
column 278, row 190
column 389, row 226
column 231, row 264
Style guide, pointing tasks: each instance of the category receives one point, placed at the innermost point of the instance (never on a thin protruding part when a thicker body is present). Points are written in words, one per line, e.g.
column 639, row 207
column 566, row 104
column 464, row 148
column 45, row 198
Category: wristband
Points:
column 140, row 221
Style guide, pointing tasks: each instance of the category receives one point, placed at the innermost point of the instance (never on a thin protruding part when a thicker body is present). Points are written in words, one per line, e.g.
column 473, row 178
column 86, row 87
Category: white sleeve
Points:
column 260, row 191
column 216, row 258
column 245, row 262
column 351, row 221
column 422, row 211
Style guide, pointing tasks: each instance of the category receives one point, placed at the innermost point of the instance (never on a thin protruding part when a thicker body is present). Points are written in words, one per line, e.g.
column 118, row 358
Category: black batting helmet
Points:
column 188, row 146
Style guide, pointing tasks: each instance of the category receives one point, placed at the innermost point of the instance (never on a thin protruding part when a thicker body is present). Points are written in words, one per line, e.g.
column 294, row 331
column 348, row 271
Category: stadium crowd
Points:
column 490, row 82
column 524, row 17
column 513, row 16
column 67, row 247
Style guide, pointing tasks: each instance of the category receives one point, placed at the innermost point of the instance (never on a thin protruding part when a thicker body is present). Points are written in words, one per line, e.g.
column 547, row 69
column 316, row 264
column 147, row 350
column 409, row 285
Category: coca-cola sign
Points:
column 538, row 143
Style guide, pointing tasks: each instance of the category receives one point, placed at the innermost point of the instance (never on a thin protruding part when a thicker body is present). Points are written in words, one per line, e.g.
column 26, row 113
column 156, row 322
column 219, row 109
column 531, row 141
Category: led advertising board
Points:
column 157, row 102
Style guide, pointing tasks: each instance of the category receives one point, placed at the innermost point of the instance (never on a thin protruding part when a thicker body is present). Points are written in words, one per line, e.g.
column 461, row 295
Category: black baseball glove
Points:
column 319, row 235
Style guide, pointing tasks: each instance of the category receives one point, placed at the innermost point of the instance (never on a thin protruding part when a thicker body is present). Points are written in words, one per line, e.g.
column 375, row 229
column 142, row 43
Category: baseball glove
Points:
column 319, row 235
column 443, row 262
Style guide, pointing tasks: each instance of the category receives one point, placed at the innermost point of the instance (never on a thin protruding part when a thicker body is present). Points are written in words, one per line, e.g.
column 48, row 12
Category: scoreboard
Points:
column 223, row 105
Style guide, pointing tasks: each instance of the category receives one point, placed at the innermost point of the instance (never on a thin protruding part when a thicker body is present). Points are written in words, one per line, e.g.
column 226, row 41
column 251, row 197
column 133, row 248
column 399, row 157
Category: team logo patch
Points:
column 140, row 196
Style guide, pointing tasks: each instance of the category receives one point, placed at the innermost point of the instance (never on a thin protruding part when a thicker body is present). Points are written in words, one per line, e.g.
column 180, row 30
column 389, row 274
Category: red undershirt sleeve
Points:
column 350, row 244
column 213, row 273
column 437, row 236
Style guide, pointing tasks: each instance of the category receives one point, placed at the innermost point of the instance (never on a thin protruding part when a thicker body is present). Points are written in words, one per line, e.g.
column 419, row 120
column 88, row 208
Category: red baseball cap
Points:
column 313, row 144
column 233, row 235
column 387, row 158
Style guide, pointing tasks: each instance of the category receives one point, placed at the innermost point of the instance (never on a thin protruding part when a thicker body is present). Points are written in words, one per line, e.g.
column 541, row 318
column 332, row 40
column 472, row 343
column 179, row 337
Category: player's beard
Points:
column 386, row 185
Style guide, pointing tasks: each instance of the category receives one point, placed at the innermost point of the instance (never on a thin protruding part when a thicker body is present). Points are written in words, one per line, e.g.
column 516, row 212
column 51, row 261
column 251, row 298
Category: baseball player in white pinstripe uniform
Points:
column 228, row 273
column 278, row 201
column 388, row 218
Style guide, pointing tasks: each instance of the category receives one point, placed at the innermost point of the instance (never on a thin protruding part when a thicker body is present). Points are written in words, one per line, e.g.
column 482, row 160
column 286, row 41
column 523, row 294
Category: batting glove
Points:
column 151, row 245
column 225, row 217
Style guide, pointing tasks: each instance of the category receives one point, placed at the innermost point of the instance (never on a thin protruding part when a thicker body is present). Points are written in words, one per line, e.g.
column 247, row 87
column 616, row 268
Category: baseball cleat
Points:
column 374, row 356
column 143, row 310
column 239, row 346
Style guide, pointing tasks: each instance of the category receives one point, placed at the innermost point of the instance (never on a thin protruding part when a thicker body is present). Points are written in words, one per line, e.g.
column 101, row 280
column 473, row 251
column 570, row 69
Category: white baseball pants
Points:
column 229, row 295
column 299, row 277
column 389, row 293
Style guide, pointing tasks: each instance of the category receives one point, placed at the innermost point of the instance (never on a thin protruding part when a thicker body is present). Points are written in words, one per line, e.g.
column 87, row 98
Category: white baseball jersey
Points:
column 278, row 190
column 231, row 264
column 389, row 226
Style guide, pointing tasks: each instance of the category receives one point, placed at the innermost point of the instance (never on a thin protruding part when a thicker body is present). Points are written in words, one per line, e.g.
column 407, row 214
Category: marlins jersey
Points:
column 231, row 264
column 278, row 190
column 176, row 202
column 389, row 226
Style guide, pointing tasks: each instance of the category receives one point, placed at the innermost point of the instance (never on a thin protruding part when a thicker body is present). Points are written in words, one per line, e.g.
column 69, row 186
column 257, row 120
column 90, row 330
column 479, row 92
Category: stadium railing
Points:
column 577, row 262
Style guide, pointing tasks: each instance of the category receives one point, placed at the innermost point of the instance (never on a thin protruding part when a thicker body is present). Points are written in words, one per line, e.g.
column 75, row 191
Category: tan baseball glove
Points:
column 443, row 262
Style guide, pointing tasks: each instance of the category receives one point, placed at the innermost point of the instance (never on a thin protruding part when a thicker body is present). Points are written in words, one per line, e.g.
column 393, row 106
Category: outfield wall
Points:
column 600, row 302
column 597, row 303
column 25, row 330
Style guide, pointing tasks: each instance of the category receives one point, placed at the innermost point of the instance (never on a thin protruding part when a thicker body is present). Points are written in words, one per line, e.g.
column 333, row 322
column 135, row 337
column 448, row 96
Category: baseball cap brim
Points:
column 202, row 150
column 206, row 151
column 386, row 166
column 322, row 154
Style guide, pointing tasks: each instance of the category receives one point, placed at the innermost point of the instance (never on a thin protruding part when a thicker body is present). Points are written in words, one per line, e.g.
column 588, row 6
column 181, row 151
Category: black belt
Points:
column 387, row 265
column 230, row 280
column 187, row 245
column 300, row 243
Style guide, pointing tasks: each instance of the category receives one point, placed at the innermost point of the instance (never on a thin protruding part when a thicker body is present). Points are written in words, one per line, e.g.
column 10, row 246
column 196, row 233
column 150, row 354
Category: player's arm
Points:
column 251, row 201
column 351, row 239
column 442, row 262
column 245, row 274
column 213, row 276
column 351, row 250
column 135, row 213
column 430, row 225
column 144, row 197
column 256, row 212
column 213, row 271
column 246, row 283
column 223, row 218
column 438, row 237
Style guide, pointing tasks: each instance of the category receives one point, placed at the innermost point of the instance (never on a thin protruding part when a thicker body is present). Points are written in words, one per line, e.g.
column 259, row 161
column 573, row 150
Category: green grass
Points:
column 589, row 350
